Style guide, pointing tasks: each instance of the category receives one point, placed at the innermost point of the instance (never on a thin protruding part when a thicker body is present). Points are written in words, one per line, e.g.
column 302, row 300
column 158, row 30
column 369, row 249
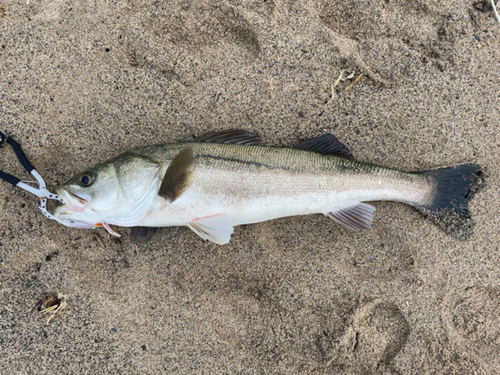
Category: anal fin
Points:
column 215, row 228
column 356, row 217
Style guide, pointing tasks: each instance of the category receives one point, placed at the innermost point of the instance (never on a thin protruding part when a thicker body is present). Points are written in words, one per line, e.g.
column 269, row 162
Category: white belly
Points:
column 250, row 199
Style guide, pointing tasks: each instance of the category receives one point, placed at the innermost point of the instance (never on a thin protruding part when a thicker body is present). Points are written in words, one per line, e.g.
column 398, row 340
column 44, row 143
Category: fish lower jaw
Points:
column 67, row 210
column 68, row 214
column 73, row 202
column 60, row 211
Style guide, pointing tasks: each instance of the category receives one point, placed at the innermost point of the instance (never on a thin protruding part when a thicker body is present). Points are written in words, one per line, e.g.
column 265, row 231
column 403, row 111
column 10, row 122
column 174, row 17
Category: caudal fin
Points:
column 454, row 187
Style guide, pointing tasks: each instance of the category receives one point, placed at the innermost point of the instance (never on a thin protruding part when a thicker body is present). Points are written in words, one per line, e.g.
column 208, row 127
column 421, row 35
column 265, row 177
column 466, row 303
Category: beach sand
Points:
column 82, row 81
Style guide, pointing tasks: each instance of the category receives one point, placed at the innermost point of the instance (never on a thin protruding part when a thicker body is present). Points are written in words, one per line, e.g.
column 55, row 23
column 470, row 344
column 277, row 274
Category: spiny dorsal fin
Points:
column 215, row 228
column 357, row 217
column 326, row 144
column 178, row 175
column 237, row 137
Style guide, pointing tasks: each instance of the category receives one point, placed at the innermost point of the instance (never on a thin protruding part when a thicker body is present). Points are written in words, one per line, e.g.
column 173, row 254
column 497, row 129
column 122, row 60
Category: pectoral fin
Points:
column 356, row 217
column 178, row 176
column 215, row 228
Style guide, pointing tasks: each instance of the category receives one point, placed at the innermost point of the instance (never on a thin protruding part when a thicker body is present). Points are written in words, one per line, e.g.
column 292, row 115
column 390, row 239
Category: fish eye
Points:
column 86, row 179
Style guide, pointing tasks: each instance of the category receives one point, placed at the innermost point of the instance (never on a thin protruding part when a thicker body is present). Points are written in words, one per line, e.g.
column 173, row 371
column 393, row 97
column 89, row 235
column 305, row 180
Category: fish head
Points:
column 92, row 196
column 119, row 191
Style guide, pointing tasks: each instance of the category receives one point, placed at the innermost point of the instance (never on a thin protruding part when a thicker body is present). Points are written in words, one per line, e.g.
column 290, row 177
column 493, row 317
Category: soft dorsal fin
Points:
column 178, row 176
column 356, row 217
column 237, row 137
column 326, row 144
column 215, row 228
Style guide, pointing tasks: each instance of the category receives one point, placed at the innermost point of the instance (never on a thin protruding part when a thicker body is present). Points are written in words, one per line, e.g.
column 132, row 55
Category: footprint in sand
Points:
column 192, row 26
column 389, row 42
column 472, row 319
column 377, row 334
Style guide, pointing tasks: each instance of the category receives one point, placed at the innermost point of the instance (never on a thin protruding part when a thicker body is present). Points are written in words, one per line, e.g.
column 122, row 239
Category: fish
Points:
column 214, row 182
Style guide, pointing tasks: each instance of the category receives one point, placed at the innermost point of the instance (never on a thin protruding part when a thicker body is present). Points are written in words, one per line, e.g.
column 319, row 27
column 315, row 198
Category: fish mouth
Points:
column 73, row 202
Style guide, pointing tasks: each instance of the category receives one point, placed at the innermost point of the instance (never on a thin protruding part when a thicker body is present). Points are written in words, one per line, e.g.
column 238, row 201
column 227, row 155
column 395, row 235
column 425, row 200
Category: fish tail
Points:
column 454, row 188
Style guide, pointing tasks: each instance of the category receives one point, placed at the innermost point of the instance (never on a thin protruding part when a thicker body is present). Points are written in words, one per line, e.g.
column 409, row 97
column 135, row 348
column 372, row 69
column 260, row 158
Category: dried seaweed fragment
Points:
column 53, row 304
column 344, row 76
column 341, row 78
column 352, row 83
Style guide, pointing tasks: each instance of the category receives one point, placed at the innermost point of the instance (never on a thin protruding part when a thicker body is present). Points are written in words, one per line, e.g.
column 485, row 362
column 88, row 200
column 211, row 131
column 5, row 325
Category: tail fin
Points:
column 455, row 186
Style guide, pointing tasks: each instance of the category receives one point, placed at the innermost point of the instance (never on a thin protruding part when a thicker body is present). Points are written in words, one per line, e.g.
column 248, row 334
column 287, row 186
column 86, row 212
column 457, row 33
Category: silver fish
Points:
column 217, row 181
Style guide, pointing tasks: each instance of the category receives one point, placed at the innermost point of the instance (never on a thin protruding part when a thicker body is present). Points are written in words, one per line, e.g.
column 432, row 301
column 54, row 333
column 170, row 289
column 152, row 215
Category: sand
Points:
column 82, row 81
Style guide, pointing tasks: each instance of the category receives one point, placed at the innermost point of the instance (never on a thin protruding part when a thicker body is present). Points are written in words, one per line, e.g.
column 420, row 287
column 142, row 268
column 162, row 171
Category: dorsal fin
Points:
column 326, row 144
column 178, row 175
column 237, row 137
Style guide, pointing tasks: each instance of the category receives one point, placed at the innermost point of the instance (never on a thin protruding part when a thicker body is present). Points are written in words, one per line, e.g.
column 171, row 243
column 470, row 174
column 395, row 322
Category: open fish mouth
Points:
column 74, row 202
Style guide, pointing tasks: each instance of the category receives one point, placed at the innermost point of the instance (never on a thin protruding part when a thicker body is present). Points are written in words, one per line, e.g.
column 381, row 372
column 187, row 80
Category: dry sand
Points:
column 81, row 81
